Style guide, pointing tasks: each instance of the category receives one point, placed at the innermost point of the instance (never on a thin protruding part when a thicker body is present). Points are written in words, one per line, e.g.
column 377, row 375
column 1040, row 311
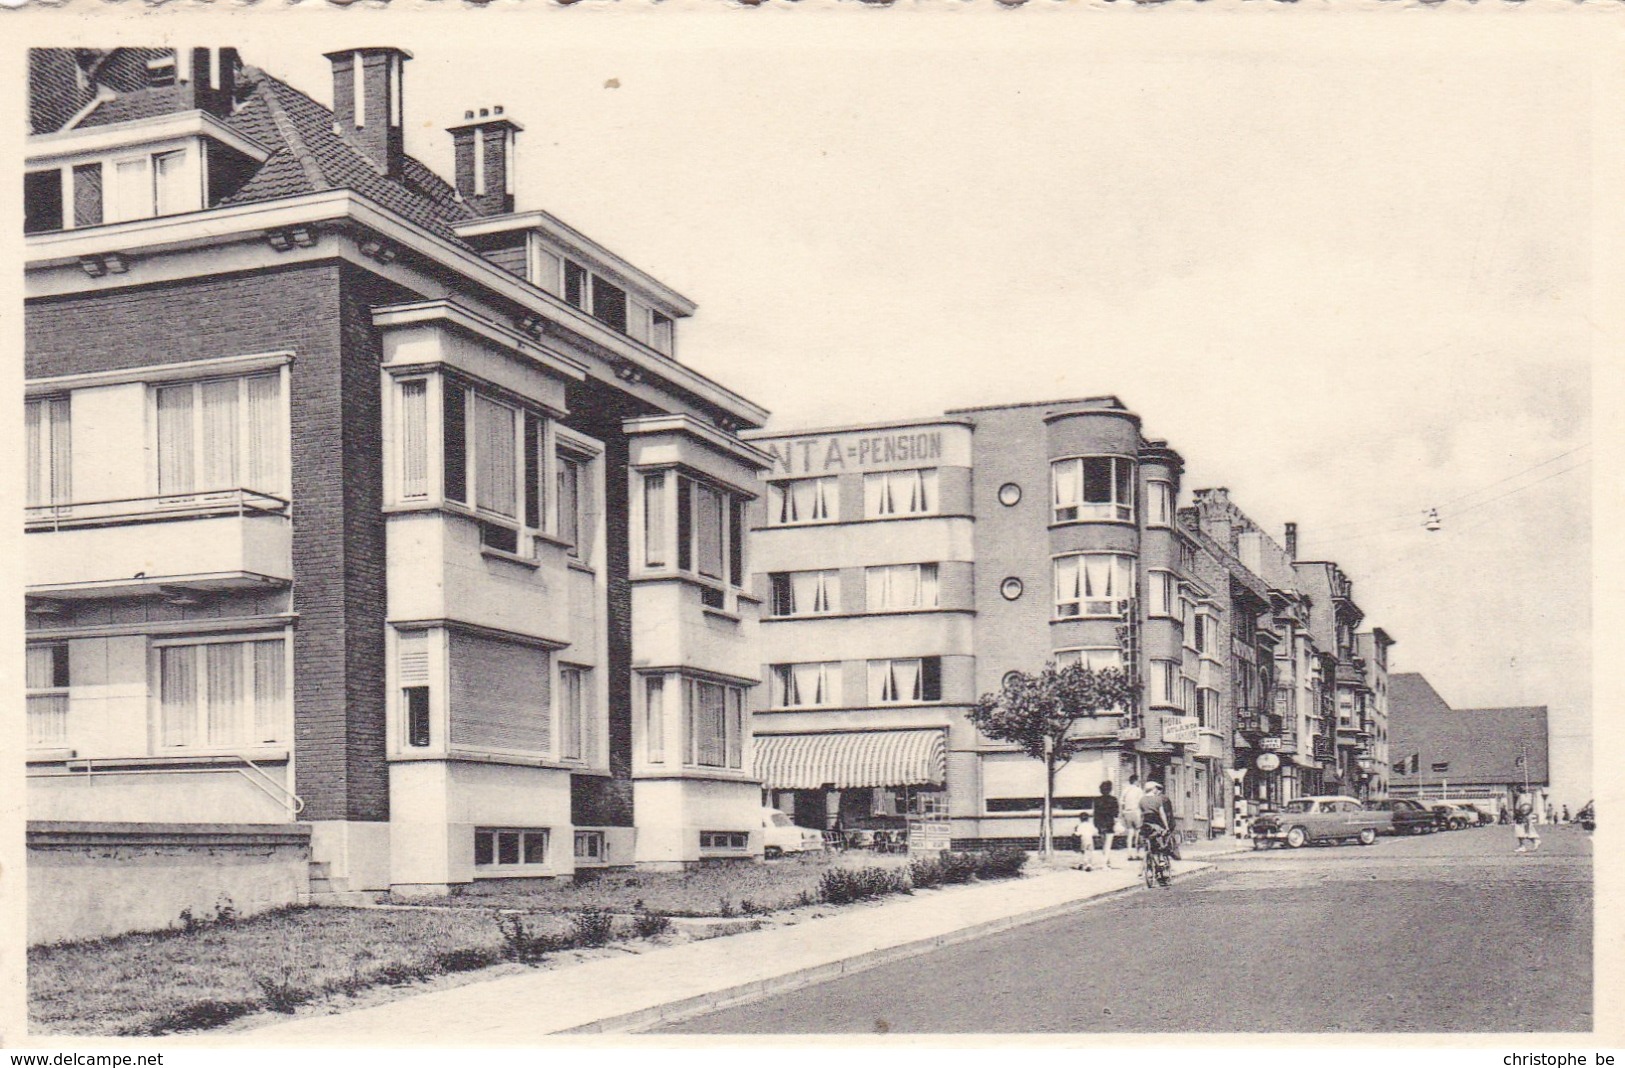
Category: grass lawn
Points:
column 185, row 980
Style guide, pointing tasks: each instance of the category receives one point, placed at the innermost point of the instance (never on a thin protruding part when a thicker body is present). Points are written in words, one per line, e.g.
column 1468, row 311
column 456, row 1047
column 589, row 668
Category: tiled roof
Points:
column 308, row 156
column 1479, row 745
column 141, row 104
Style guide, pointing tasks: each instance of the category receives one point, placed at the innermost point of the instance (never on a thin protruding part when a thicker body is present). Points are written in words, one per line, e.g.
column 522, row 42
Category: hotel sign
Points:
column 831, row 454
column 1272, row 744
column 1181, row 730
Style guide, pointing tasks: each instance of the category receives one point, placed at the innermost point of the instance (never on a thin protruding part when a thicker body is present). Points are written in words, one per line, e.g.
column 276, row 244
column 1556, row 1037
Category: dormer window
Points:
column 161, row 71
column 575, row 284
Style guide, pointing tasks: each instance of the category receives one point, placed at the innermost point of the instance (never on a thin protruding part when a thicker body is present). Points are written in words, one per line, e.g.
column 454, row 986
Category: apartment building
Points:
column 906, row 567
column 362, row 503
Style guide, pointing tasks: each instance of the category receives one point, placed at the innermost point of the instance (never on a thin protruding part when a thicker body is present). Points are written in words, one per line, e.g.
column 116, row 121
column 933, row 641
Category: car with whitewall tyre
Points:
column 1306, row 820
column 781, row 836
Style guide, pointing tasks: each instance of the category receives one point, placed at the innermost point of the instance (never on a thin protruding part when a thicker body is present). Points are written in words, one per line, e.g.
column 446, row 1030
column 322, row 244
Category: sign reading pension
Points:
column 830, row 454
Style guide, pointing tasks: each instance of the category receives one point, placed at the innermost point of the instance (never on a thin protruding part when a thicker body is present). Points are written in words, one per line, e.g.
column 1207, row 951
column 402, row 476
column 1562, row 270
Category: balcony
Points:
column 176, row 545
column 1323, row 749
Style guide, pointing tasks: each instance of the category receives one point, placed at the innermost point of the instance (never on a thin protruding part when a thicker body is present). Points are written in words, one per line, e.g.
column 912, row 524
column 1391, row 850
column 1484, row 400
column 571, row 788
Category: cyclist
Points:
column 1157, row 828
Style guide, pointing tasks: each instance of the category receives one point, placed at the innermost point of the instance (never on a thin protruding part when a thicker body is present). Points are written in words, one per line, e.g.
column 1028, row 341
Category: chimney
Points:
column 483, row 154
column 1292, row 541
column 367, row 103
column 207, row 78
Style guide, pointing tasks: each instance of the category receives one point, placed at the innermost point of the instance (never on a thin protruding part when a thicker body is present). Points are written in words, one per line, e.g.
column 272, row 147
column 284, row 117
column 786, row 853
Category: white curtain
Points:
column 875, row 496
column 877, row 588
column 570, row 725
column 226, row 702
column 708, row 530
column 496, row 485
column 784, row 679
column 132, row 190
column 34, row 416
column 654, row 719
column 219, row 435
column 654, row 520
column 1067, row 476
column 569, row 502
column 809, row 592
column 169, row 183
column 905, row 680
column 415, row 438
column 930, row 596
column 266, row 441
column 1068, row 580
column 178, row 697
column 39, row 668
column 175, row 473
column 733, row 726
column 811, row 683
column 270, row 692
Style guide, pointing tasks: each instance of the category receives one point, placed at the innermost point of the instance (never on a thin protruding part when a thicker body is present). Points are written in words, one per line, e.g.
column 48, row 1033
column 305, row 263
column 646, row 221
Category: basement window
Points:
column 724, row 841
column 510, row 848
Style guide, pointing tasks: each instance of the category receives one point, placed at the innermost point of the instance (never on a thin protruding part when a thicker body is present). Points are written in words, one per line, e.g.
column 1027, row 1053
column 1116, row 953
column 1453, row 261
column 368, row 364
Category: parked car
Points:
column 1477, row 813
column 780, row 835
column 1318, row 819
column 1587, row 816
column 1455, row 817
column 1406, row 816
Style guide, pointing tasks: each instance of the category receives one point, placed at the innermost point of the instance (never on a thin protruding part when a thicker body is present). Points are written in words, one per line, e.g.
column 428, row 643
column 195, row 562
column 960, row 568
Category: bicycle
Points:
column 1158, row 867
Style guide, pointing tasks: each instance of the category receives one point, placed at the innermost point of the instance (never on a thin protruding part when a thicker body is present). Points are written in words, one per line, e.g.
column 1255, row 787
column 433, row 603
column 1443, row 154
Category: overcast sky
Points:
column 1347, row 282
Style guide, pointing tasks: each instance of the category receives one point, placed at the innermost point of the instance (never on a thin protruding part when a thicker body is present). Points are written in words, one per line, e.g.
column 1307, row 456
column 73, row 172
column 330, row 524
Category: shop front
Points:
column 865, row 784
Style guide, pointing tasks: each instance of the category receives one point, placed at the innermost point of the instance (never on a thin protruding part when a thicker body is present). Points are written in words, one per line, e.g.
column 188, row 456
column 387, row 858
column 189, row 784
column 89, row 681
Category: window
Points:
column 1204, row 633
column 509, row 848
column 87, row 194
column 156, row 184
column 714, row 717
column 1161, row 593
column 574, row 698
column 1187, row 696
column 500, row 695
column 1207, row 706
column 654, row 719
column 574, row 502
column 804, row 593
column 1159, row 504
column 169, row 191
column 1165, row 683
column 1093, row 584
column 493, row 455
column 414, row 397
column 47, row 681
column 1093, row 659
column 609, row 304
column 724, row 840
column 220, row 434
column 1093, row 488
column 589, row 845
column 654, row 520
column 710, row 533
column 905, row 681
column 803, row 500
column 894, row 493
column 224, row 694
column 42, row 201
column 662, row 335
column 901, row 587
column 412, row 666
column 48, row 426
column 575, row 284
column 806, row 685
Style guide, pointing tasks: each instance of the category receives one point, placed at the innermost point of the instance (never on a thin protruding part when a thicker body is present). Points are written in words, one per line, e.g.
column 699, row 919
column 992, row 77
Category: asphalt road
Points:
column 1445, row 932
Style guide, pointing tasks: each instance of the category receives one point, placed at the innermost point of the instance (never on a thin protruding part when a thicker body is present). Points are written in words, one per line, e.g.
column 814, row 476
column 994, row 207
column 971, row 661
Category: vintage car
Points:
column 1406, row 816
column 780, row 835
column 1319, row 819
column 1455, row 817
column 1587, row 816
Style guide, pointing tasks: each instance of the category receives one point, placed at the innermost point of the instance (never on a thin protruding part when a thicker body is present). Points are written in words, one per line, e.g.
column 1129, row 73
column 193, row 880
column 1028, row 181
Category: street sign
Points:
column 1130, row 734
column 1267, row 762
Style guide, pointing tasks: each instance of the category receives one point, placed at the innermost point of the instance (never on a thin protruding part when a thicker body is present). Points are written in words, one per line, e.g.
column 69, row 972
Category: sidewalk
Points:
column 624, row 994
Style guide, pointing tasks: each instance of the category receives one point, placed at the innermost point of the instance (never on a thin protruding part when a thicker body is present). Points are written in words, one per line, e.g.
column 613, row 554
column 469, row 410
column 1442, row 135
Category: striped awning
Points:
column 852, row 759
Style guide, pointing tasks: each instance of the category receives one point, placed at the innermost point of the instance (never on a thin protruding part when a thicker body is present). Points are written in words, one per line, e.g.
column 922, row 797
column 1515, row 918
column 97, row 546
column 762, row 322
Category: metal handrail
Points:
column 264, row 783
column 270, row 786
column 237, row 501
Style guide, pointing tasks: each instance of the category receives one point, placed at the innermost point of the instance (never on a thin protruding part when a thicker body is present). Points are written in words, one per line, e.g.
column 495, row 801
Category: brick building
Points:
column 359, row 501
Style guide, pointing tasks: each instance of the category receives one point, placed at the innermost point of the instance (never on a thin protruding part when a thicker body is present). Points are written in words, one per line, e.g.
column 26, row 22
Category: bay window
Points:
column 48, row 430
column 46, row 682
column 1093, row 488
column 221, row 434
column 493, row 458
column 1093, row 584
column 906, row 681
column 900, row 587
column 710, row 534
column 803, row 500
column 713, row 715
column 1159, row 503
column 806, row 685
column 896, row 493
column 804, row 593
column 1162, row 593
column 222, row 694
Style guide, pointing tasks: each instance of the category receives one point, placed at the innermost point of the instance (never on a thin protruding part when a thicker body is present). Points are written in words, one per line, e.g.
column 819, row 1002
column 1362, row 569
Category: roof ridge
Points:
column 290, row 133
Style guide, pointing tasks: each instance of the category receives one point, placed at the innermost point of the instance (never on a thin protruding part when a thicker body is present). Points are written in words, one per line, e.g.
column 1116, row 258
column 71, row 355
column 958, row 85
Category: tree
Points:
column 1040, row 713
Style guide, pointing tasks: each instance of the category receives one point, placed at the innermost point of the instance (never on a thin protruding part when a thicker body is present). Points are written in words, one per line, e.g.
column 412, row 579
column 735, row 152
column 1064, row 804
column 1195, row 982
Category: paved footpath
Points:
column 623, row 994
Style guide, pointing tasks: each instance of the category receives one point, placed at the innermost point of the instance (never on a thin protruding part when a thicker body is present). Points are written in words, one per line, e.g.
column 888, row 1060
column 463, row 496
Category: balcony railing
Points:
column 153, row 509
column 1323, row 748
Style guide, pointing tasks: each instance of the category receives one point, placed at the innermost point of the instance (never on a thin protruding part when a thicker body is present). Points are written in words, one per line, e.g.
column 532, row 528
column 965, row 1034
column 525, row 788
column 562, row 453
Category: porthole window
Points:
column 1009, row 494
column 1011, row 588
column 1010, row 677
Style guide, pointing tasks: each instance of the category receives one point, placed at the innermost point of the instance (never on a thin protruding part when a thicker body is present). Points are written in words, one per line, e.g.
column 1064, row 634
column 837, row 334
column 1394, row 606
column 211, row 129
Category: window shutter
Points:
column 413, row 651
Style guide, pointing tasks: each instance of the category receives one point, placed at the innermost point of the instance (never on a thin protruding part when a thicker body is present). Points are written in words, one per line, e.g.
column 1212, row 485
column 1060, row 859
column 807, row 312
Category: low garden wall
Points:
column 93, row 880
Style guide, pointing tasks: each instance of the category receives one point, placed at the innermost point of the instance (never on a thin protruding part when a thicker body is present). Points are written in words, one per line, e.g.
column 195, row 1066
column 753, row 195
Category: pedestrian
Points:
column 1084, row 831
column 1523, row 820
column 1104, row 820
column 1565, row 814
column 1551, row 814
column 1130, row 807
